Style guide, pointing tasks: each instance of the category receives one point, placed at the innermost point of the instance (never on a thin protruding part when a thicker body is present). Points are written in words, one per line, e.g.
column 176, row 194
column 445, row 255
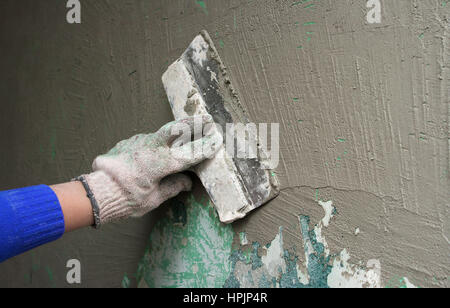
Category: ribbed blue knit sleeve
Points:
column 29, row 217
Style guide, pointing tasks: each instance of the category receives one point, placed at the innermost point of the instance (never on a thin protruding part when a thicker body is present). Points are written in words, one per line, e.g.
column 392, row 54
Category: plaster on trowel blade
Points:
column 197, row 84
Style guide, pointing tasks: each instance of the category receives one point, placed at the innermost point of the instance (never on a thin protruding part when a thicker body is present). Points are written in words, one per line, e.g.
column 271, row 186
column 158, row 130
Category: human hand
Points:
column 141, row 173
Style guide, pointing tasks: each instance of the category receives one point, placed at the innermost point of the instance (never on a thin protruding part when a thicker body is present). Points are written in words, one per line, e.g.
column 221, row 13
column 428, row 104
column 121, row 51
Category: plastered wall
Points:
column 363, row 109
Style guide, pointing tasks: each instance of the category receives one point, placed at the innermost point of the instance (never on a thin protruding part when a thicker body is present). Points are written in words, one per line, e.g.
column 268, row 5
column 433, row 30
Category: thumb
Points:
column 173, row 185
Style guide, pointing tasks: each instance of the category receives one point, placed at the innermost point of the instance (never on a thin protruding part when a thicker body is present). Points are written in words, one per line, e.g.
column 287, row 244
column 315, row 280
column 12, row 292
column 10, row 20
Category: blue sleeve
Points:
column 29, row 217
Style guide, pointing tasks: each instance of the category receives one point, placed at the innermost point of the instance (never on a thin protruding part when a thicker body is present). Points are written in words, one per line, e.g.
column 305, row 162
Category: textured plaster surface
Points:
column 363, row 109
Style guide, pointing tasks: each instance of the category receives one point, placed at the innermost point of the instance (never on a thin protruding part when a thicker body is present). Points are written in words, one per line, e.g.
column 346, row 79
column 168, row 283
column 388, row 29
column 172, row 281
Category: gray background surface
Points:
column 363, row 109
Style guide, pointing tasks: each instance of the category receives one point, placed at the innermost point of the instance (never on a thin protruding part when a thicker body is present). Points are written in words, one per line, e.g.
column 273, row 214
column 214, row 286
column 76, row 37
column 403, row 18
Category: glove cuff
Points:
column 109, row 196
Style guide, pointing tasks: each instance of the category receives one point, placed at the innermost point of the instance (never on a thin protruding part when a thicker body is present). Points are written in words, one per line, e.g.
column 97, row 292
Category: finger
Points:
column 173, row 185
column 196, row 152
column 186, row 128
column 128, row 144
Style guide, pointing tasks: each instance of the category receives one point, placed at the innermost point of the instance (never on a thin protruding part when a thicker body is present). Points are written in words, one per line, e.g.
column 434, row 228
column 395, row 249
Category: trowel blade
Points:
column 198, row 84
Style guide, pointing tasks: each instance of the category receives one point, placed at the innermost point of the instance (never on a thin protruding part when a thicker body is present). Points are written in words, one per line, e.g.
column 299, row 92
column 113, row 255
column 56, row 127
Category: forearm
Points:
column 29, row 217
column 33, row 216
column 75, row 205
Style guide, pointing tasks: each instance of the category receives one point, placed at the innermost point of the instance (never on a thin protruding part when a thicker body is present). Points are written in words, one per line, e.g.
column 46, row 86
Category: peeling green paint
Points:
column 189, row 249
column 318, row 263
column 319, row 270
column 319, row 266
column 50, row 276
column 399, row 283
column 202, row 4
column 252, row 258
column 126, row 282
column 302, row 2
column 35, row 263
column 243, row 238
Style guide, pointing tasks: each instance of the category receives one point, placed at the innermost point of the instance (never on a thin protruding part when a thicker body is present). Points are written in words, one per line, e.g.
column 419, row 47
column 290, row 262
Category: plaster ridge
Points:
column 341, row 190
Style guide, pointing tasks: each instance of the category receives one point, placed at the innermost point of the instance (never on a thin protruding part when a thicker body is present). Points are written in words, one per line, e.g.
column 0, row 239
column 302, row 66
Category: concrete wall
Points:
column 363, row 108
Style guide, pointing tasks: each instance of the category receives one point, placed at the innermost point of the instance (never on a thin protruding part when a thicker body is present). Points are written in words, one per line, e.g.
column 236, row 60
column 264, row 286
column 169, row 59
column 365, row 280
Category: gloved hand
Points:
column 141, row 173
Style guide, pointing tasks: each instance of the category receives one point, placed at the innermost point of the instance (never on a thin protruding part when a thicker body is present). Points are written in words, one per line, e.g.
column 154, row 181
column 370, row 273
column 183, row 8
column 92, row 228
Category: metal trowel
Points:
column 198, row 84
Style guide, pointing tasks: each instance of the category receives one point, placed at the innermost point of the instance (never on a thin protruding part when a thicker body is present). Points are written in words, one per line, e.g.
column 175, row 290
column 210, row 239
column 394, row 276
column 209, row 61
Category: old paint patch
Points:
column 190, row 249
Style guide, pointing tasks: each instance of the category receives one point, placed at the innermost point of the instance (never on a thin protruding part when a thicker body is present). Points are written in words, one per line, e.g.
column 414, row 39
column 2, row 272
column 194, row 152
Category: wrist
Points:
column 75, row 205
column 108, row 196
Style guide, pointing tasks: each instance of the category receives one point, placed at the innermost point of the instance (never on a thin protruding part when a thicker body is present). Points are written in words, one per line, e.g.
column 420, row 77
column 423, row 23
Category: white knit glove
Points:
column 141, row 173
